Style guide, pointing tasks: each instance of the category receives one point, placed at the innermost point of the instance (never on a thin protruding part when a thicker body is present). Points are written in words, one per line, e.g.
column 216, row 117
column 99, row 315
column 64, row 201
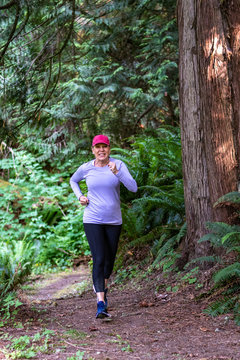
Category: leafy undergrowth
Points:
column 154, row 316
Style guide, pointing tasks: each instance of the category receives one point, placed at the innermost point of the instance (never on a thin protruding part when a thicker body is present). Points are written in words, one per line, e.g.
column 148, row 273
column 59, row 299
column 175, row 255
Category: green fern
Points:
column 232, row 197
column 223, row 235
column 152, row 188
column 221, row 228
column 165, row 249
column 227, row 274
column 214, row 239
column 158, row 243
column 207, row 259
column 226, row 280
column 149, row 238
column 182, row 232
column 222, row 306
column 167, row 246
column 237, row 315
column 16, row 262
column 165, row 201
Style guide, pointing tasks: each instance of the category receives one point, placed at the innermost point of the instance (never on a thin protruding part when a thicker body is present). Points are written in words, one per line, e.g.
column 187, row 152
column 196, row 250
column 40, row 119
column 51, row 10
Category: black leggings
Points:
column 103, row 241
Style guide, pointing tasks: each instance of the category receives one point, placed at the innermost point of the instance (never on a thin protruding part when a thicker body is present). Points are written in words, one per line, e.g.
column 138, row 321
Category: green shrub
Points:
column 66, row 241
column 41, row 207
column 16, row 263
column 227, row 279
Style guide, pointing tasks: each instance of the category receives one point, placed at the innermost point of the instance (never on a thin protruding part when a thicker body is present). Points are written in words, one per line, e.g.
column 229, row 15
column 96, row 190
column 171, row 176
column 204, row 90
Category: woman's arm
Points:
column 75, row 179
column 126, row 178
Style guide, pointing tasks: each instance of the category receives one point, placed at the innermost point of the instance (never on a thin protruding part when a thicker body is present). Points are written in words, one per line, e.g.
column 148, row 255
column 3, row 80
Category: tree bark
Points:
column 209, row 111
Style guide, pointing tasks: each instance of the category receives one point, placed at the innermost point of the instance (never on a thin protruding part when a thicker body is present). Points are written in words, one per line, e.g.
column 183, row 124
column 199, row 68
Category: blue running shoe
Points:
column 105, row 298
column 101, row 310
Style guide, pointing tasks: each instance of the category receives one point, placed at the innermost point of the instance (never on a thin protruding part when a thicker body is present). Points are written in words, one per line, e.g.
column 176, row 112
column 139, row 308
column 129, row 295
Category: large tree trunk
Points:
column 209, row 111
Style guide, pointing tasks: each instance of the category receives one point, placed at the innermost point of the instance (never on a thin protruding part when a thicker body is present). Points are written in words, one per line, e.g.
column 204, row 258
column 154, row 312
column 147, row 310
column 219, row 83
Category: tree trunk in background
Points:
column 209, row 43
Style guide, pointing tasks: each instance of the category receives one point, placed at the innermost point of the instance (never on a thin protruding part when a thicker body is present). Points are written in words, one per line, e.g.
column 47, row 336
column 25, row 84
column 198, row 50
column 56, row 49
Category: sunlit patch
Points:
column 215, row 50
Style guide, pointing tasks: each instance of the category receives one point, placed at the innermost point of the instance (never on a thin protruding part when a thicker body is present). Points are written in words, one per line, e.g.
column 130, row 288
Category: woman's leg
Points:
column 112, row 234
column 103, row 242
column 96, row 238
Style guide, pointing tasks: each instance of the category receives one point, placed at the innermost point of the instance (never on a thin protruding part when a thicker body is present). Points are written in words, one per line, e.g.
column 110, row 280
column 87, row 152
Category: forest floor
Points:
column 57, row 321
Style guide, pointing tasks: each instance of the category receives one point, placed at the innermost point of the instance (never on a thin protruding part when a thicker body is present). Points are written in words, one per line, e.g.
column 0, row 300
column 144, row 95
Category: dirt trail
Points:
column 144, row 324
column 61, row 285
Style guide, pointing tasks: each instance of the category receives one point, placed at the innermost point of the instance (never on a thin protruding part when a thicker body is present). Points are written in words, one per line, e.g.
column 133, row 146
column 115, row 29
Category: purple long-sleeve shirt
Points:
column 103, row 191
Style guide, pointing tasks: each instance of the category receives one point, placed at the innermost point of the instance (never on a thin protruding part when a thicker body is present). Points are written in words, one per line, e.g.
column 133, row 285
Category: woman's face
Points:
column 101, row 152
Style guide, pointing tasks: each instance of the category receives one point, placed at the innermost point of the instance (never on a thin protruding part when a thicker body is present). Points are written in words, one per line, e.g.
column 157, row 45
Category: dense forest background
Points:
column 74, row 69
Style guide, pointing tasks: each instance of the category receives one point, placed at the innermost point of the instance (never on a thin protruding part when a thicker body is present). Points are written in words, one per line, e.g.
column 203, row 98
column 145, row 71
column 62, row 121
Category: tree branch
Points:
column 149, row 108
column 41, row 52
column 24, row 24
column 41, row 105
column 37, row 27
column 171, row 109
column 69, row 33
column 8, row 5
column 12, row 31
column 56, row 82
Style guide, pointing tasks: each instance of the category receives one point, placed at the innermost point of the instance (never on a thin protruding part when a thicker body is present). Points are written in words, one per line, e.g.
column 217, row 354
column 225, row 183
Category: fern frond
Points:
column 229, row 272
column 221, row 306
column 220, row 228
column 182, row 232
column 214, row 239
column 158, row 244
column 148, row 238
column 237, row 317
column 206, row 259
column 16, row 261
column 234, row 248
column 108, row 88
column 121, row 151
column 165, row 202
column 232, row 197
column 152, row 188
column 231, row 241
column 166, row 248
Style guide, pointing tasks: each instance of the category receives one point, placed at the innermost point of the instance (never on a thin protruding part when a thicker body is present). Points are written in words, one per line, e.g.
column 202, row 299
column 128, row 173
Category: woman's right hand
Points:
column 83, row 200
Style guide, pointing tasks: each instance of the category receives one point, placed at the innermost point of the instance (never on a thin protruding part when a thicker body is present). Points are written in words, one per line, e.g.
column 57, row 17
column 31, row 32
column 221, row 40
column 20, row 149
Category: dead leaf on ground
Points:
column 93, row 328
column 145, row 304
column 204, row 329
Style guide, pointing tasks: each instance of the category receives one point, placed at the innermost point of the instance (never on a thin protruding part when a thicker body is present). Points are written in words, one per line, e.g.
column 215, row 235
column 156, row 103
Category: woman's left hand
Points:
column 112, row 166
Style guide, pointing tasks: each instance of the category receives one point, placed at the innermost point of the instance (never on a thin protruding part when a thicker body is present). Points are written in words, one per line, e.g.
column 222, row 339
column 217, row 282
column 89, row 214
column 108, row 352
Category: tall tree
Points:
column 209, row 44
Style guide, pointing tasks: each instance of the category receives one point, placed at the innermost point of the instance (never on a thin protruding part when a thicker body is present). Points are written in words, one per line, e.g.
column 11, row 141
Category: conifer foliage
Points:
column 34, row 37
column 88, row 66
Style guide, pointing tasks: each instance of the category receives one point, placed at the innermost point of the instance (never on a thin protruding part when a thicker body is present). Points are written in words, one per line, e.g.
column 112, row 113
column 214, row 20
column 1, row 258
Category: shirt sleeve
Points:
column 75, row 179
column 126, row 178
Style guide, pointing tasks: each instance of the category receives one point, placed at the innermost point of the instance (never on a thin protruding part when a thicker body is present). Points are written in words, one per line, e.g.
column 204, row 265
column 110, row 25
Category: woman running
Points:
column 102, row 216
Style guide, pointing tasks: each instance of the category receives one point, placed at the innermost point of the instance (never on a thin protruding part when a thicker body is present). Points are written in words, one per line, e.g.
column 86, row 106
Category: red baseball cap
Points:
column 100, row 139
